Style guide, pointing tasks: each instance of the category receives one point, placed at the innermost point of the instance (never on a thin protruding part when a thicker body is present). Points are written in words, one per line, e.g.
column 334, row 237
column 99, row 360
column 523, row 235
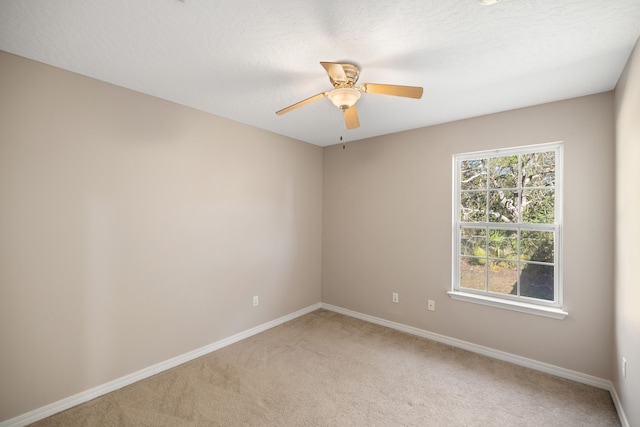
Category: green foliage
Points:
column 473, row 174
column 479, row 252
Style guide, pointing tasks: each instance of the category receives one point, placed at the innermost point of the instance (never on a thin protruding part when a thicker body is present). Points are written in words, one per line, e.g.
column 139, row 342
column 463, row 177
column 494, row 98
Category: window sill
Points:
column 523, row 307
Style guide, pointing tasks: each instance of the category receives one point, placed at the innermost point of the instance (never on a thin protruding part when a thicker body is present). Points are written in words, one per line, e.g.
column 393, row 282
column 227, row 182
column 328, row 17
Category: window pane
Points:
column 503, row 277
column 539, row 169
column 503, row 206
column 537, row 246
column 473, row 273
column 536, row 281
column 503, row 244
column 473, row 241
column 473, row 207
column 473, row 174
column 538, row 206
column 503, row 172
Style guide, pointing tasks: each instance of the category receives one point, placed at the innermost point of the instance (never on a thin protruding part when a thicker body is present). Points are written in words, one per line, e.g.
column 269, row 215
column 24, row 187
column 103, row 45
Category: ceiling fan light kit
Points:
column 344, row 97
column 345, row 94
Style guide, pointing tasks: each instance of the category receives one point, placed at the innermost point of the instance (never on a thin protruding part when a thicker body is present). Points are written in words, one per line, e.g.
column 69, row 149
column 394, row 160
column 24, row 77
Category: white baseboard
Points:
column 85, row 396
column 496, row 354
column 618, row 404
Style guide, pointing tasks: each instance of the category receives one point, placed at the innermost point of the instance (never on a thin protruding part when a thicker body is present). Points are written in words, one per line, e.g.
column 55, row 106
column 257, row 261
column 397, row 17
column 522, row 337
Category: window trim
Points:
column 540, row 310
column 553, row 309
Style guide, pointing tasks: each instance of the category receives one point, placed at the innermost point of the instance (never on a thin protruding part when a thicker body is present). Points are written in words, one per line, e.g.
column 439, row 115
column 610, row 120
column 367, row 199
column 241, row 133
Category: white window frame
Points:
column 553, row 309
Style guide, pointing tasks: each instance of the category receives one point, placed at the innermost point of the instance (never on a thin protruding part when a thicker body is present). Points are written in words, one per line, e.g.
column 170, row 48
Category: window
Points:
column 507, row 229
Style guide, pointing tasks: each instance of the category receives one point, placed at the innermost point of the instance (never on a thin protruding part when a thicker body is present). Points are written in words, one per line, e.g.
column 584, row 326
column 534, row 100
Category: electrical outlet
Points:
column 256, row 301
column 431, row 305
column 394, row 297
column 624, row 368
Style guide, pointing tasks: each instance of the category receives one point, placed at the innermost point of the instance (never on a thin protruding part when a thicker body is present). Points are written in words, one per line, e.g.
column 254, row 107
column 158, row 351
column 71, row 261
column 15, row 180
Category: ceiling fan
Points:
column 345, row 94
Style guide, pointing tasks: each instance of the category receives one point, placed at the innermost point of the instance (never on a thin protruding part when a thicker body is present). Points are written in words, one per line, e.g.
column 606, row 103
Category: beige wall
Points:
column 387, row 228
column 133, row 230
column 627, row 301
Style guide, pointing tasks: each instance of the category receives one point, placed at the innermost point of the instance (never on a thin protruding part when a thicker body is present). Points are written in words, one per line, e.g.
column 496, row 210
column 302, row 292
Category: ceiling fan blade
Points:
column 351, row 117
column 301, row 103
column 395, row 90
column 336, row 72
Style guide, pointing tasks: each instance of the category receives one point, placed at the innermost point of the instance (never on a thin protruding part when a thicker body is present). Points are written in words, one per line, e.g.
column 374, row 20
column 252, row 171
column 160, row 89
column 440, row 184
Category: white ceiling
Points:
column 246, row 59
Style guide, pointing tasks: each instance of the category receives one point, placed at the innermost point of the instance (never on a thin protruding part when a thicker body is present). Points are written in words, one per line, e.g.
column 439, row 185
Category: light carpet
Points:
column 327, row 369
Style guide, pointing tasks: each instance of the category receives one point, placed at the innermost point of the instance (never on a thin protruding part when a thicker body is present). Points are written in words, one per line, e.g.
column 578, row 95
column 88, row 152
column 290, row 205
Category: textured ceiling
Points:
column 246, row 59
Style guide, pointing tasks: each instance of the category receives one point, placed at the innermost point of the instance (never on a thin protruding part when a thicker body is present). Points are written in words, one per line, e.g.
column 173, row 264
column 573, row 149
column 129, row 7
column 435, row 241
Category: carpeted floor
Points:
column 326, row 369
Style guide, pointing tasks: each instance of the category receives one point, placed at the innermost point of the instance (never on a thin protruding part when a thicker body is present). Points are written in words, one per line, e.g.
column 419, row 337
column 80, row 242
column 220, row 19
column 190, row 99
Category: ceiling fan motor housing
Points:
column 351, row 72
